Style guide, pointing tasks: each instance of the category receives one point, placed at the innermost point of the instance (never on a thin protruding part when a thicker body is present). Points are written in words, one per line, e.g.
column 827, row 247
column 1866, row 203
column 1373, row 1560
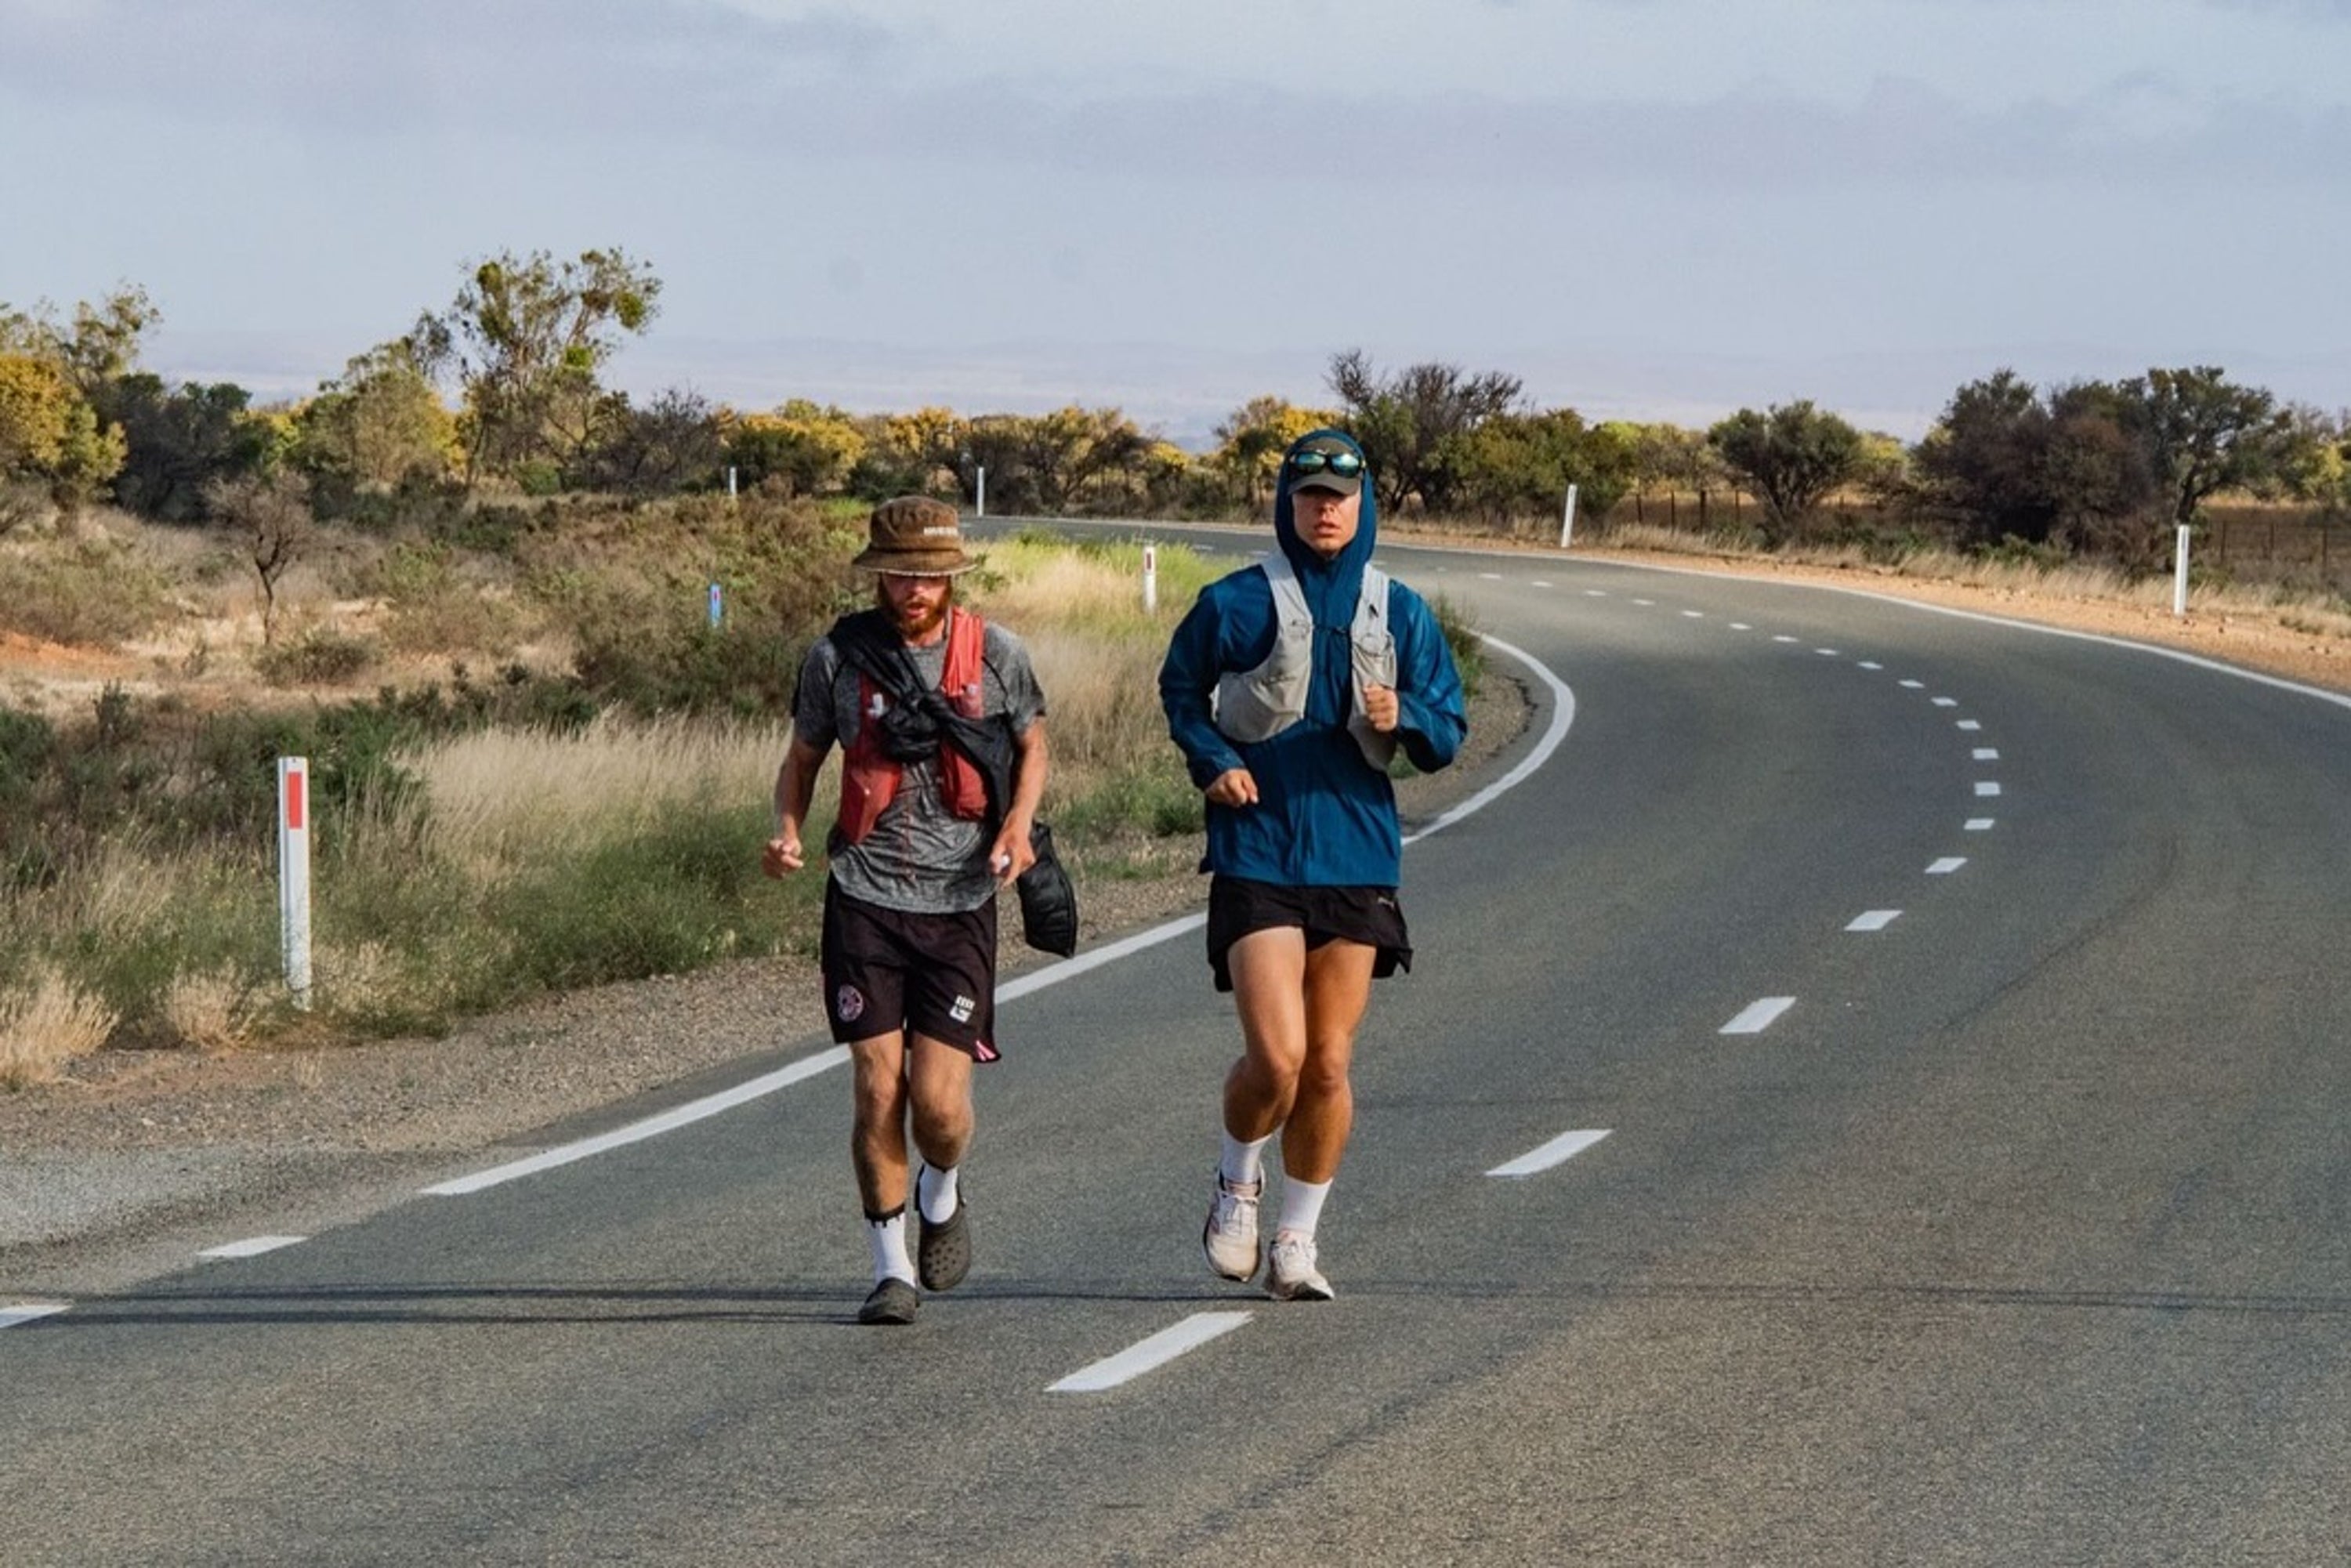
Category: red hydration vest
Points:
column 869, row 780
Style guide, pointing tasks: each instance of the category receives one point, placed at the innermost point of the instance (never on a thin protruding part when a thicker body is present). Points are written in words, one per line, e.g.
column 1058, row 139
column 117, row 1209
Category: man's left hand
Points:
column 1380, row 707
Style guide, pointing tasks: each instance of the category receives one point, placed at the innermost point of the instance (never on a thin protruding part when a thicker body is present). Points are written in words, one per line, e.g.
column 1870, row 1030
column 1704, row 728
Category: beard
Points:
column 914, row 623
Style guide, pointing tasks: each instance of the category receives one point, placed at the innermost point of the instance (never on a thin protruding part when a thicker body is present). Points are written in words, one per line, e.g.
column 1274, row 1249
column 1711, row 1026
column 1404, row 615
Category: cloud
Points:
column 353, row 66
column 692, row 76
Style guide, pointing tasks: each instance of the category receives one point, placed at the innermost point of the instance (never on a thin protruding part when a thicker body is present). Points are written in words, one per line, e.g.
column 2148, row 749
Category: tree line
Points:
column 503, row 391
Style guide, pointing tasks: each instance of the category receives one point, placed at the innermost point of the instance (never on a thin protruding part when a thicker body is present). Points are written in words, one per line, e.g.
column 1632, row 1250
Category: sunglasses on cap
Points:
column 1344, row 464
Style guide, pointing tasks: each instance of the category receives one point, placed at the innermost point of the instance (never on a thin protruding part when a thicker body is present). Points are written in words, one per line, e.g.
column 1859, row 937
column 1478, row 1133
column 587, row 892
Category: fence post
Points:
column 294, row 874
column 1150, row 578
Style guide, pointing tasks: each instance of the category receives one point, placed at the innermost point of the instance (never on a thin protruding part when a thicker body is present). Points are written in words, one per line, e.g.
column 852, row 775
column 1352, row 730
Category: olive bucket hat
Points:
column 914, row 536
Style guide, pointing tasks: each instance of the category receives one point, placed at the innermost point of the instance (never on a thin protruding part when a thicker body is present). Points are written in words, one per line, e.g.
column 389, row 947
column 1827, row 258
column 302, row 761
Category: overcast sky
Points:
column 1644, row 208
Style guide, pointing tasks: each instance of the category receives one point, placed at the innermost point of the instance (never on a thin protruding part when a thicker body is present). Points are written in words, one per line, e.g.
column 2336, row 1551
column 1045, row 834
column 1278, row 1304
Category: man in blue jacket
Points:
column 1289, row 686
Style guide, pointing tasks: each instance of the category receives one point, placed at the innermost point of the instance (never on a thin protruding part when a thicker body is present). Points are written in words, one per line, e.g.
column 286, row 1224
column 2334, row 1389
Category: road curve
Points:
column 1868, row 1094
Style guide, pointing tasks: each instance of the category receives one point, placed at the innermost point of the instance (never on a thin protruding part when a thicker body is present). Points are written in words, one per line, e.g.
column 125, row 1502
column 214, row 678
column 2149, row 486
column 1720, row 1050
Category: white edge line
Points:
column 26, row 1312
column 1566, row 1146
column 652, row 1127
column 1758, row 1015
column 1562, row 716
column 1144, row 1355
column 252, row 1246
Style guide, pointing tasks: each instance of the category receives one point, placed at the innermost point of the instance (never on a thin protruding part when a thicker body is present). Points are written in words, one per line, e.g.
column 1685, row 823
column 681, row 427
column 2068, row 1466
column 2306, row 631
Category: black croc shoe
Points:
column 892, row 1301
column 942, row 1251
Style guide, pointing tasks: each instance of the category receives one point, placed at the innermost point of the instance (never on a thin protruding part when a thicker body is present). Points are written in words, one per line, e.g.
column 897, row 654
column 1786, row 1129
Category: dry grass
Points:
column 2314, row 610
column 496, row 796
column 214, row 1010
column 1103, row 708
column 44, row 1024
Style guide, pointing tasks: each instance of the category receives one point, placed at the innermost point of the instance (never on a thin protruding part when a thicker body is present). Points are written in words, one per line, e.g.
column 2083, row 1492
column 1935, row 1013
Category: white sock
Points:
column 888, row 1236
column 1244, row 1164
column 1301, row 1206
column 935, row 1192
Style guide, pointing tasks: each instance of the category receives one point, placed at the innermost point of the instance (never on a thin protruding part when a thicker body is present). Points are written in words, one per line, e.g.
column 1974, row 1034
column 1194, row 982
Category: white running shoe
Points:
column 1289, row 1271
column 1229, row 1238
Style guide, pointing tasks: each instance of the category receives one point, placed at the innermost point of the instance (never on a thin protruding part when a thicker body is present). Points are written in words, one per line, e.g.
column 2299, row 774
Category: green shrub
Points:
column 90, row 591
column 320, row 656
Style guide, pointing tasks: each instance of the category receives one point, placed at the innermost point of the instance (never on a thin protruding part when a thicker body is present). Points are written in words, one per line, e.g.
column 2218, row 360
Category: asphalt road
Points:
column 1963, row 1006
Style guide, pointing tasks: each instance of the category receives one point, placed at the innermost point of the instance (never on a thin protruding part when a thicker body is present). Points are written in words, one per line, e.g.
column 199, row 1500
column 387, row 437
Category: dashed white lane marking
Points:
column 1871, row 664
column 1875, row 920
column 1595, row 593
column 252, row 1246
column 1490, row 576
column 1646, row 603
column 1781, row 637
column 1946, row 701
column 1741, row 626
column 26, row 1311
column 1566, row 1146
column 1986, row 787
column 1541, row 583
column 1978, row 824
column 1757, row 1015
column 1693, row 614
column 1158, row 1351
column 651, row 1127
column 1826, row 653
column 1969, row 724
column 1985, row 754
column 1946, row 865
column 1912, row 686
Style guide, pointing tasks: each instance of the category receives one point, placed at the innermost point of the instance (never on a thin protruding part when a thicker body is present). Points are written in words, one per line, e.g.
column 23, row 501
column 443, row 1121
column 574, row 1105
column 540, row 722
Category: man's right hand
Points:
column 781, row 856
column 1234, row 787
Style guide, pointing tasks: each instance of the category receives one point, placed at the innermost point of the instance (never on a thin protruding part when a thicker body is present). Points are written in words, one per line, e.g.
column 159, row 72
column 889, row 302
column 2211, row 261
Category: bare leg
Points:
column 1322, row 1111
column 1299, row 1013
column 1269, row 973
column 878, row 1141
column 940, row 1088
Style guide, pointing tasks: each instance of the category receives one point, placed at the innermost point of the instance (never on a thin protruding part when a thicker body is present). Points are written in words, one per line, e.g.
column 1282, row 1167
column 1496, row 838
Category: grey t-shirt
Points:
column 919, row 857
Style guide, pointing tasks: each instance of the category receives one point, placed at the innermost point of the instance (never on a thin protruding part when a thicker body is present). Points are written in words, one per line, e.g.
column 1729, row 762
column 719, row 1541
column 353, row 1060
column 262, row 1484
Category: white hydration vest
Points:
column 1259, row 704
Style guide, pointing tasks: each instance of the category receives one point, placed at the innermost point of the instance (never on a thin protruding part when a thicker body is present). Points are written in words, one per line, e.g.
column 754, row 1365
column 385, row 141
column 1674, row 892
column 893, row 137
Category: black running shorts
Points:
column 1370, row 916
column 887, row 970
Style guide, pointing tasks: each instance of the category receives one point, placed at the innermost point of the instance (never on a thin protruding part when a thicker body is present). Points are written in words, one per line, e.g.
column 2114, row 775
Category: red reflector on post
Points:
column 296, row 779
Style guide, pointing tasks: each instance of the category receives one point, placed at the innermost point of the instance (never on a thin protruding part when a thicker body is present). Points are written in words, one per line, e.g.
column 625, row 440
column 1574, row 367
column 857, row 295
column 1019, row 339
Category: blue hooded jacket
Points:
column 1324, row 817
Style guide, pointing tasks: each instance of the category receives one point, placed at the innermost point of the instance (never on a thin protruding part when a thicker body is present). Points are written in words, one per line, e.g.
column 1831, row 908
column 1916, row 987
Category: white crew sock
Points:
column 935, row 1193
column 888, row 1237
column 1244, row 1164
column 1301, row 1206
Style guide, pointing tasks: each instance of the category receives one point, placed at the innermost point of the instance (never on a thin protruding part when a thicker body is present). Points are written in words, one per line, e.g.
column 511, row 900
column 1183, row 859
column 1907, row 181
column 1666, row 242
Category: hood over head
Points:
column 1331, row 586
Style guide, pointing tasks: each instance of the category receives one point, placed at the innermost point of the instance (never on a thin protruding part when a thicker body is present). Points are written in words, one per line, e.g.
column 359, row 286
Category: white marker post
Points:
column 717, row 605
column 294, row 874
column 730, row 481
column 2180, row 575
column 979, row 506
column 1150, row 578
column 1567, row 523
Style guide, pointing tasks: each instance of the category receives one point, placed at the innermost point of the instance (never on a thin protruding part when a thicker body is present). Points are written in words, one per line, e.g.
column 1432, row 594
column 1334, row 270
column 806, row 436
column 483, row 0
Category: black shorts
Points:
column 887, row 970
column 1371, row 915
